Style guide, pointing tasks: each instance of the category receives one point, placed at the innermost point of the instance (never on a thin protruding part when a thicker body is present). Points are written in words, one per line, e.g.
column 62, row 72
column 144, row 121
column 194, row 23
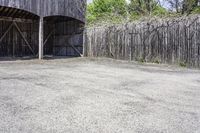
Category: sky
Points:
column 89, row 1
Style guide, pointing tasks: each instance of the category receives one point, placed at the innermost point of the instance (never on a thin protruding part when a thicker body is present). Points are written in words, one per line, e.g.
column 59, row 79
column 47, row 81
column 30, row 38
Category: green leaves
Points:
column 99, row 7
column 146, row 7
column 106, row 8
column 116, row 11
column 189, row 6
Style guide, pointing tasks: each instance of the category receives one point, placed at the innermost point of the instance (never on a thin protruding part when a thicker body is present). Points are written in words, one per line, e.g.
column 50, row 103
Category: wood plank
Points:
column 41, row 41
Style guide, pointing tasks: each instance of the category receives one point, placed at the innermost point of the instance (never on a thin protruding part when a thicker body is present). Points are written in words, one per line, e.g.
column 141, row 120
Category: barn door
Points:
column 22, row 40
column 5, row 39
column 15, row 40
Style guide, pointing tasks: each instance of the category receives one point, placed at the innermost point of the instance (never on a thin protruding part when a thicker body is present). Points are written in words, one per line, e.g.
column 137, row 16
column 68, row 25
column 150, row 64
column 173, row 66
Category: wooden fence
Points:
column 172, row 41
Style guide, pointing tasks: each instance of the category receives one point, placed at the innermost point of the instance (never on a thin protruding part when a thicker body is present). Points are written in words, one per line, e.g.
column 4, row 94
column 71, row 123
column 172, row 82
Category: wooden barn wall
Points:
column 70, row 8
column 67, row 39
column 174, row 41
column 13, row 44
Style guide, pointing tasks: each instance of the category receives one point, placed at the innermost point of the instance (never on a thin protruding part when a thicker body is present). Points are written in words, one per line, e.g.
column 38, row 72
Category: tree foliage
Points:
column 146, row 7
column 120, row 10
column 112, row 10
column 184, row 6
column 142, row 6
column 189, row 6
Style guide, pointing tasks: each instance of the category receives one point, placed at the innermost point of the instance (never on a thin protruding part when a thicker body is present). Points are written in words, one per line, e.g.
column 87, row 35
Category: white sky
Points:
column 89, row 1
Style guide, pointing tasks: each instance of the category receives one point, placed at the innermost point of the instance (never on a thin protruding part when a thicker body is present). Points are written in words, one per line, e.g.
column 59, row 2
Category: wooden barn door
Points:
column 5, row 39
column 18, row 39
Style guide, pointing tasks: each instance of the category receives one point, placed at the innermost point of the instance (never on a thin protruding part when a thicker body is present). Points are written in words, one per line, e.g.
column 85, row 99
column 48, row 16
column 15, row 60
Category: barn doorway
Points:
column 18, row 33
column 63, row 36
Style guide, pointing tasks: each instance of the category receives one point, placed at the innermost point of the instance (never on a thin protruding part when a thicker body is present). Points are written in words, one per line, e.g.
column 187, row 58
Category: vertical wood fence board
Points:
column 175, row 41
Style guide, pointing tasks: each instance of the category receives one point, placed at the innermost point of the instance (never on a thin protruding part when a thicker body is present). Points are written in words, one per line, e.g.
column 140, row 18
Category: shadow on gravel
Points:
column 33, row 58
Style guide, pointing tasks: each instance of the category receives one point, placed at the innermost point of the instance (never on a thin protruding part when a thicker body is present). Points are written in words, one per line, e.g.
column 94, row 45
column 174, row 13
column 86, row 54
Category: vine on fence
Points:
column 165, row 41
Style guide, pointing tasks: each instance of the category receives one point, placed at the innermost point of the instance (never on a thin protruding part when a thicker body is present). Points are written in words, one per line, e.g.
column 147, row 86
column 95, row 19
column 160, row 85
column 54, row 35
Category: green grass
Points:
column 182, row 64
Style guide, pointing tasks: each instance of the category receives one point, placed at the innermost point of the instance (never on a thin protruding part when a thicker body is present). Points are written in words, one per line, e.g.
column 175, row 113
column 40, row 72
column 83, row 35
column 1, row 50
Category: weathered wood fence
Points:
column 174, row 41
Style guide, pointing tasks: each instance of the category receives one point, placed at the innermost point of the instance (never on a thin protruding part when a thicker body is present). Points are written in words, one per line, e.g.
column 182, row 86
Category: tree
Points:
column 175, row 5
column 183, row 6
column 188, row 6
column 145, row 7
column 101, row 8
column 119, row 10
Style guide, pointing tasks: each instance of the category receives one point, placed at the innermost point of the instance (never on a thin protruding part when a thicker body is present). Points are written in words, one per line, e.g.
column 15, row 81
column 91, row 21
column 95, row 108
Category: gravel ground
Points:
column 82, row 95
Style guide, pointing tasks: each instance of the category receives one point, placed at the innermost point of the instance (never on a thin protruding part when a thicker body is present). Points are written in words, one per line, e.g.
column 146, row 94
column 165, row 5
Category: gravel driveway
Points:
column 82, row 95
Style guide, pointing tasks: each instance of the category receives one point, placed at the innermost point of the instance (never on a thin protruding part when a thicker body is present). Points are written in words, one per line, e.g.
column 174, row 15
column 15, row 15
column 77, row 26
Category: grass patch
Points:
column 182, row 64
column 156, row 62
column 141, row 60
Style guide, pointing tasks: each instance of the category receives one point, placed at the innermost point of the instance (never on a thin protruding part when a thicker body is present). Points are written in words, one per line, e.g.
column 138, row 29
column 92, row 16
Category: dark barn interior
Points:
column 21, row 34
column 18, row 33
column 63, row 36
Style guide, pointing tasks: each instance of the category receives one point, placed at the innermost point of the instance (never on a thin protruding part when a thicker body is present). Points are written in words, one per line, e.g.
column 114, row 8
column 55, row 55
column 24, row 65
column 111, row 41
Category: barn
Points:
column 35, row 28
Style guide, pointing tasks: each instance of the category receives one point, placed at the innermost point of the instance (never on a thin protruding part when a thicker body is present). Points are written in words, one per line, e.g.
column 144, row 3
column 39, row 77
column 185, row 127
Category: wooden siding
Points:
column 70, row 8
column 63, row 27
